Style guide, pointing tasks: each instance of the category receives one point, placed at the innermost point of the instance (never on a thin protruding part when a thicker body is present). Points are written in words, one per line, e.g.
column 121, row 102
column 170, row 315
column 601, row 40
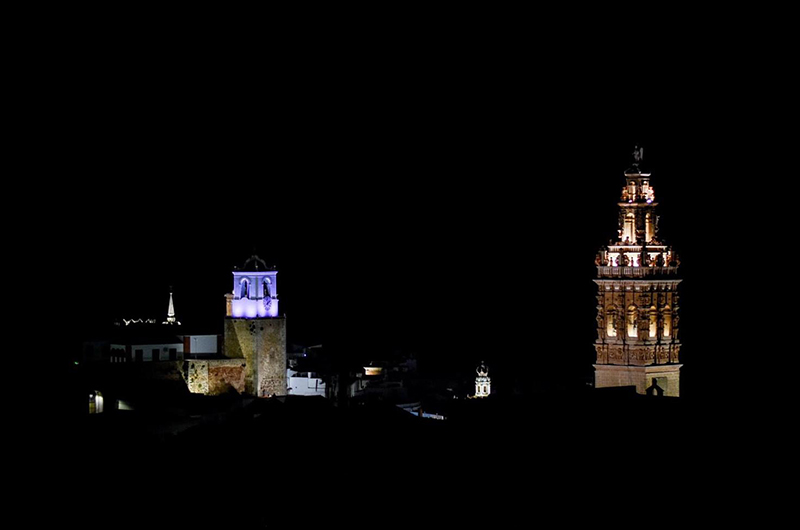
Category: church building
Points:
column 483, row 383
column 254, row 329
column 637, row 300
column 253, row 357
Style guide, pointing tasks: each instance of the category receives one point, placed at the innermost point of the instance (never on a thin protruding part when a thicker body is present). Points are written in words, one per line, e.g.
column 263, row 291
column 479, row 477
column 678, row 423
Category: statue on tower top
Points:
column 638, row 162
column 638, row 155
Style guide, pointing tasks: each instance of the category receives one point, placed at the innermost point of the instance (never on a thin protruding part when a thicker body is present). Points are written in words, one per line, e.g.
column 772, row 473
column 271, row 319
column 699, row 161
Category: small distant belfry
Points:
column 254, row 329
column 483, row 383
column 637, row 300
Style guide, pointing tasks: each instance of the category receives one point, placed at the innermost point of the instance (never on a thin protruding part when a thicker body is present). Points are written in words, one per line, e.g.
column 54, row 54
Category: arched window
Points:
column 266, row 289
column 632, row 311
column 611, row 320
column 667, row 321
column 629, row 233
column 244, row 289
column 653, row 321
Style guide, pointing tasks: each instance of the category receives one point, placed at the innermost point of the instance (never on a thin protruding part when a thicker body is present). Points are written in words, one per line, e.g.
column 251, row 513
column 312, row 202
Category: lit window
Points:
column 611, row 315
column 653, row 321
column 632, row 321
column 667, row 321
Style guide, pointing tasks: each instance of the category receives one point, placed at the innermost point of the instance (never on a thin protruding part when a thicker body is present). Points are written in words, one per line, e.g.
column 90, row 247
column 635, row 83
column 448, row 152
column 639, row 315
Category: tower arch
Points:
column 244, row 288
column 611, row 321
column 632, row 321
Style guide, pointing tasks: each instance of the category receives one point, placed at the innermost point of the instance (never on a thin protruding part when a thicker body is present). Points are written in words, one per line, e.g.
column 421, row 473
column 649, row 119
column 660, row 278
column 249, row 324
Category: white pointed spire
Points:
column 171, row 311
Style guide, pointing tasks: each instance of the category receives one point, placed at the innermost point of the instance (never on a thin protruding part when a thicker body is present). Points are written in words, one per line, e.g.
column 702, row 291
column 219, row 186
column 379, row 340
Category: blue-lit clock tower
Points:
column 255, row 331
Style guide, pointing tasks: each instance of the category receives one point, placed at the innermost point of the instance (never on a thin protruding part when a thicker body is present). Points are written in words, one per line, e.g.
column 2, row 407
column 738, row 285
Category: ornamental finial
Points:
column 482, row 370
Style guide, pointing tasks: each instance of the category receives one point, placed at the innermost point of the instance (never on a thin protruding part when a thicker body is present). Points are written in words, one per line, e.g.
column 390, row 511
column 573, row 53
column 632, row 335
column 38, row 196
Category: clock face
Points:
column 267, row 302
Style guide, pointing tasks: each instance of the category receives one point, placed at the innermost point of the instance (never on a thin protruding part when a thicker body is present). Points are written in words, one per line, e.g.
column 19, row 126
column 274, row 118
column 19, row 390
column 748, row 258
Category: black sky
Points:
column 445, row 204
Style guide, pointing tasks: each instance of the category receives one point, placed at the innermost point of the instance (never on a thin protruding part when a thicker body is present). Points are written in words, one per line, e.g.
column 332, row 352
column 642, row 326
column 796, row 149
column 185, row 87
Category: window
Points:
column 629, row 233
column 156, row 356
column 667, row 321
column 653, row 321
column 611, row 321
column 632, row 321
column 245, row 289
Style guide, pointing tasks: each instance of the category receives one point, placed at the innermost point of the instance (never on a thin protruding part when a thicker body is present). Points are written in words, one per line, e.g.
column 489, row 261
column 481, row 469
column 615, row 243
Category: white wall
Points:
column 202, row 344
column 305, row 385
column 148, row 350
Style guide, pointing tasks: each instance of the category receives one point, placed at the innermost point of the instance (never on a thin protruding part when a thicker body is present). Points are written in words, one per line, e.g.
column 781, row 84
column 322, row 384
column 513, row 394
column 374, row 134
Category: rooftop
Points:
column 255, row 263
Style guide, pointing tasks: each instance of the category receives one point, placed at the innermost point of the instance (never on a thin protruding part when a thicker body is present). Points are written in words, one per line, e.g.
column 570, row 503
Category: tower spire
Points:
column 171, row 310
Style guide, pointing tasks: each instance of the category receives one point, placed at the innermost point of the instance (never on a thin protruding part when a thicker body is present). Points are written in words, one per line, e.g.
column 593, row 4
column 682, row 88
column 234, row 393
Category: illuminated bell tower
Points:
column 254, row 330
column 637, row 300
column 483, row 383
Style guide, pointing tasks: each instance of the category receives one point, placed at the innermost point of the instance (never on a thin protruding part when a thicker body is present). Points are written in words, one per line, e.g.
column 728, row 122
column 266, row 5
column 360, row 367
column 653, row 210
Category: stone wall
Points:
column 214, row 377
column 196, row 375
column 261, row 343
column 225, row 375
column 607, row 376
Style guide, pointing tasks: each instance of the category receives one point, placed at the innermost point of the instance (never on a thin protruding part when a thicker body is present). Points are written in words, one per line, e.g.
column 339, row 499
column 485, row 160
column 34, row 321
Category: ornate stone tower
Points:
column 637, row 300
column 254, row 331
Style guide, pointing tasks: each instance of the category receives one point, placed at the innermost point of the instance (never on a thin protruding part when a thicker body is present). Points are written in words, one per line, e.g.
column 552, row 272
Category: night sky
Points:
column 435, row 184
column 439, row 213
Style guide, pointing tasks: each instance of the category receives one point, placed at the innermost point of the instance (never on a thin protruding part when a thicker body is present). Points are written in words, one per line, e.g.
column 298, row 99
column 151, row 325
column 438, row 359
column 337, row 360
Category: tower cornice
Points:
column 637, row 204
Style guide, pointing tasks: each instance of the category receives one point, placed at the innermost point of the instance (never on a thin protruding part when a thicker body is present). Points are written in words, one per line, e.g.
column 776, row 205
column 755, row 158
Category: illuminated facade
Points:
column 637, row 300
column 255, row 292
column 255, row 331
column 483, row 383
